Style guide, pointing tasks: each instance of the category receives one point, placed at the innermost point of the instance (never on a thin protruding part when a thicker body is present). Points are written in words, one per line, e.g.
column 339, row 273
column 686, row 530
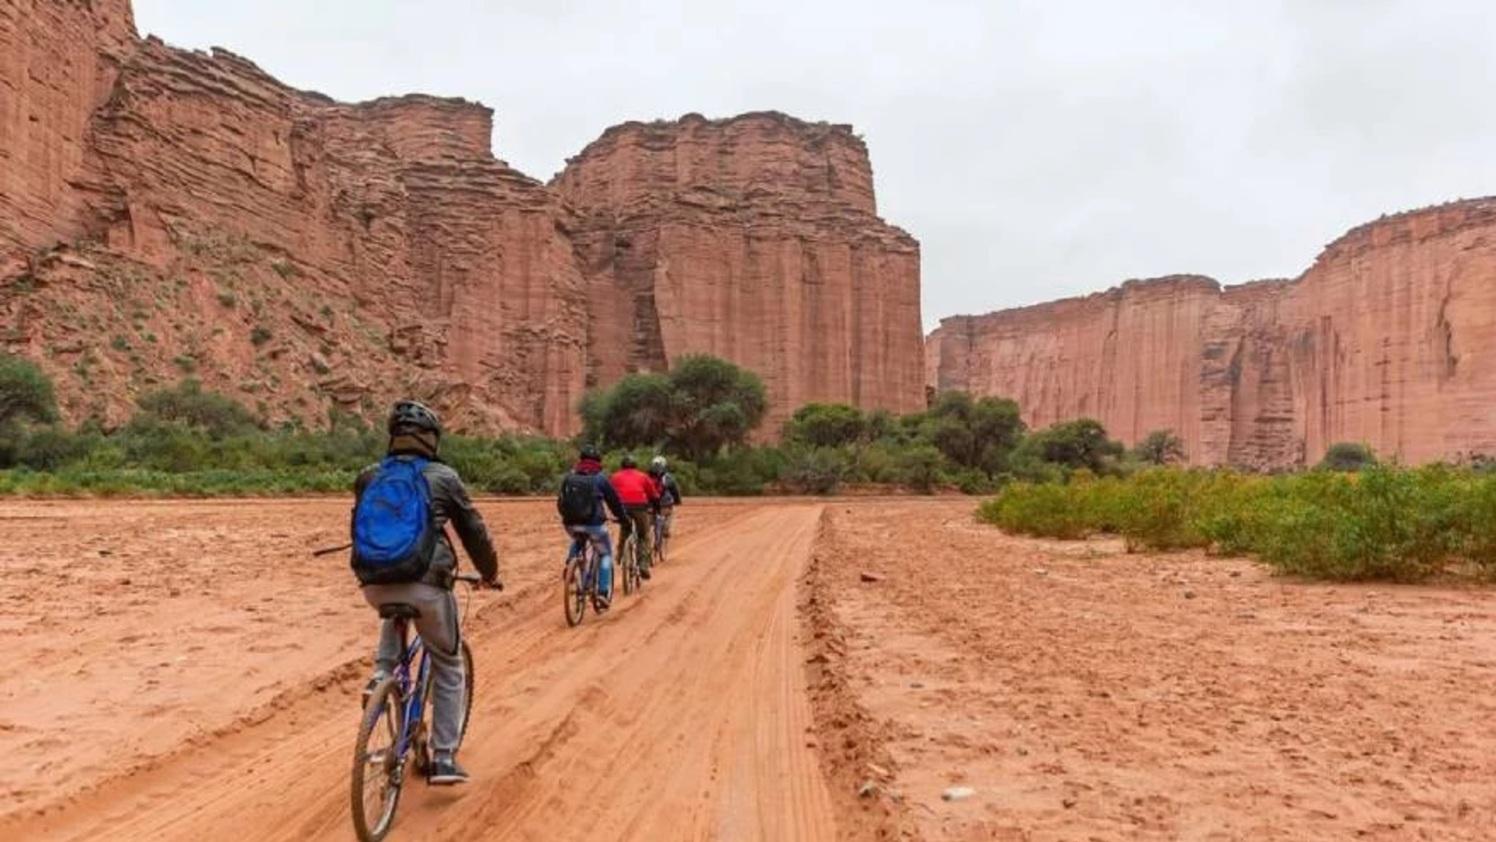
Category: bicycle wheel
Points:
column 574, row 591
column 626, row 555
column 636, row 565
column 377, row 772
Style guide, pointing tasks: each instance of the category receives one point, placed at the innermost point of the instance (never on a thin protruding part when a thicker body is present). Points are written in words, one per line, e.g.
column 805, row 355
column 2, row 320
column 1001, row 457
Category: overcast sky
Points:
column 1037, row 148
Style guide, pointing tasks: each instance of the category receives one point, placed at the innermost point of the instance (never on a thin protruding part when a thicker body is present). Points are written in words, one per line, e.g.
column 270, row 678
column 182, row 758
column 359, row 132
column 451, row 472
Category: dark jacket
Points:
column 602, row 487
column 449, row 504
column 668, row 488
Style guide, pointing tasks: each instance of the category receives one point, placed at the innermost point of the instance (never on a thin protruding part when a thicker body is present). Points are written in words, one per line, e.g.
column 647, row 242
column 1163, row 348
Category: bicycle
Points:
column 396, row 710
column 580, row 583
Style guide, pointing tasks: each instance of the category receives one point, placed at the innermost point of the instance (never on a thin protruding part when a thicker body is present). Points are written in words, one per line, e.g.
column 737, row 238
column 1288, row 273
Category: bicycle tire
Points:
column 385, row 706
column 636, row 566
column 626, row 556
column 574, row 592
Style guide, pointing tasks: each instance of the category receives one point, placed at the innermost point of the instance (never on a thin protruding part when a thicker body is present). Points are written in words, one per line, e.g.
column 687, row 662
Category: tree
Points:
column 701, row 406
column 1081, row 443
column 973, row 433
column 1348, row 456
column 1160, row 447
column 826, row 425
column 714, row 403
column 25, row 393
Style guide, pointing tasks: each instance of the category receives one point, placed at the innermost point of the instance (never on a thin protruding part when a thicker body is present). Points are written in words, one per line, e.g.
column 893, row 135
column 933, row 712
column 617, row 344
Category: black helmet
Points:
column 628, row 461
column 590, row 451
column 413, row 414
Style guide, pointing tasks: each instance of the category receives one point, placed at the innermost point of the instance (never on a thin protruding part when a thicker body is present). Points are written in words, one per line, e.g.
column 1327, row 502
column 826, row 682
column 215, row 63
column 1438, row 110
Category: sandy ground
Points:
column 1084, row 693
column 183, row 670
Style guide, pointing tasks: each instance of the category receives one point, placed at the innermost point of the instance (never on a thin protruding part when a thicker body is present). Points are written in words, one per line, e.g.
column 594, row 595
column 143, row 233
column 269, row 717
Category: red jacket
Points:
column 635, row 488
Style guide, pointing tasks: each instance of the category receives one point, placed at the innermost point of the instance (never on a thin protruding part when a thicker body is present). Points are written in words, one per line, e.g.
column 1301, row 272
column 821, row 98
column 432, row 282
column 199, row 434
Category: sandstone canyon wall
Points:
column 167, row 212
column 755, row 239
column 1389, row 339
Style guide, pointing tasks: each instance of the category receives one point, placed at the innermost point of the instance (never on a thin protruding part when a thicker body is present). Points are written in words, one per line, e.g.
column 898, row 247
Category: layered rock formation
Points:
column 1389, row 339
column 755, row 239
column 167, row 212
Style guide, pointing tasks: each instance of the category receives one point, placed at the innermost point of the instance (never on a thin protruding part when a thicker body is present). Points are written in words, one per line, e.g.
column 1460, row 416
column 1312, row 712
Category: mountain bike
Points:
column 394, row 732
column 580, row 583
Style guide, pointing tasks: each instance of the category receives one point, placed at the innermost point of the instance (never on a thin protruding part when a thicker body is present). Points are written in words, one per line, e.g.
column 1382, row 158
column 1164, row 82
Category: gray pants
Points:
column 438, row 628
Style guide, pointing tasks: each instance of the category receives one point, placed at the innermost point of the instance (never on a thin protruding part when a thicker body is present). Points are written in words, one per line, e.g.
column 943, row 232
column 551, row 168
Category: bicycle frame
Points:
column 414, row 693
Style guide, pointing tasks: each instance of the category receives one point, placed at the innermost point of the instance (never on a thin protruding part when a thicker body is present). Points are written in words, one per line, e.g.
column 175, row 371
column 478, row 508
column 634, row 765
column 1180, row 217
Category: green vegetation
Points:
column 1160, row 447
column 703, row 405
column 1384, row 522
column 1348, row 456
column 1351, row 519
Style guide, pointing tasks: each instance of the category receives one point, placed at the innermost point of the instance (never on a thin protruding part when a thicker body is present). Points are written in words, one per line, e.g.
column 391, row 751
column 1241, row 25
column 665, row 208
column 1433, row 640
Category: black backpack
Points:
column 577, row 502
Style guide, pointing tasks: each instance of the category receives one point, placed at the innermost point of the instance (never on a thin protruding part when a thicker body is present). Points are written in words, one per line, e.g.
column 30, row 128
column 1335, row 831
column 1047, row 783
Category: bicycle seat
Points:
column 400, row 610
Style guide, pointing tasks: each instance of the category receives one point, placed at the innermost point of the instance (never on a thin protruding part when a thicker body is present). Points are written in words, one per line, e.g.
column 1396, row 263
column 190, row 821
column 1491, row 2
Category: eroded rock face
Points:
column 754, row 239
column 1389, row 338
column 167, row 212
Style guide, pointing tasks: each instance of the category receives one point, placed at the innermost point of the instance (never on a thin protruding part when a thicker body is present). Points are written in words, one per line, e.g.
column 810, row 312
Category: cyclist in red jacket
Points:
column 641, row 499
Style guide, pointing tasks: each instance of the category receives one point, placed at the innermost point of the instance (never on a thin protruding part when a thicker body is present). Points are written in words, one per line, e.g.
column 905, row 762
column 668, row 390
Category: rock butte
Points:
column 166, row 212
column 1389, row 339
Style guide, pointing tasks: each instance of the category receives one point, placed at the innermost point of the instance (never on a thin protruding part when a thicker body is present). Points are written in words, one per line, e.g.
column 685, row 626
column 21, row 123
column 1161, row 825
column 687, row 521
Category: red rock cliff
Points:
column 755, row 239
column 167, row 212
column 1389, row 338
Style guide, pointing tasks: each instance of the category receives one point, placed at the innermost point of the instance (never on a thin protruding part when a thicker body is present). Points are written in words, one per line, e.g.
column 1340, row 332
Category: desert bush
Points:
column 1347, row 456
column 1046, row 510
column 815, row 470
column 1160, row 447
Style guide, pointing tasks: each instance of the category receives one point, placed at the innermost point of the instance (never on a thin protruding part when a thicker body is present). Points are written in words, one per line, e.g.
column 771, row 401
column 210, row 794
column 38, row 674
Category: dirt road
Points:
column 799, row 670
column 682, row 714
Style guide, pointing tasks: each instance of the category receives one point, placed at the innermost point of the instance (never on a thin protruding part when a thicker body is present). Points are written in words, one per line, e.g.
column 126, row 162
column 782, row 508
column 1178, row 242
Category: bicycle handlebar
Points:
column 475, row 580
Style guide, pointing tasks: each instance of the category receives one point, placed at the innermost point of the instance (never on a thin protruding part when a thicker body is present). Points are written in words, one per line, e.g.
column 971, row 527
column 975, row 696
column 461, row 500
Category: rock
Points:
column 1068, row 803
column 867, row 790
column 1377, row 341
column 871, row 577
column 878, row 771
column 191, row 171
column 1189, row 594
column 958, row 793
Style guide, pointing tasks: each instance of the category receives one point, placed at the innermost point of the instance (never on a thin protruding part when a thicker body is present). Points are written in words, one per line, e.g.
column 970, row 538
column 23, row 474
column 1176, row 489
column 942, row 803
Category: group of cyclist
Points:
column 636, row 499
column 639, row 501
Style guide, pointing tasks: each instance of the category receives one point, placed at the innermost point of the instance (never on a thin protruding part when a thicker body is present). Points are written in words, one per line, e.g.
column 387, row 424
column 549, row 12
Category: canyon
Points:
column 1389, row 339
column 167, row 213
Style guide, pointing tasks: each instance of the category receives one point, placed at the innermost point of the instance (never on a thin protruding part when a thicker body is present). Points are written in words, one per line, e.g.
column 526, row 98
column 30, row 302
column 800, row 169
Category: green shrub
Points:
column 1046, row 510
column 25, row 392
column 1347, row 456
column 816, row 470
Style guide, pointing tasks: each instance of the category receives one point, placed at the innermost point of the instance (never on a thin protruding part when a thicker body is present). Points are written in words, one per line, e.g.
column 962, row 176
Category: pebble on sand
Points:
column 958, row 793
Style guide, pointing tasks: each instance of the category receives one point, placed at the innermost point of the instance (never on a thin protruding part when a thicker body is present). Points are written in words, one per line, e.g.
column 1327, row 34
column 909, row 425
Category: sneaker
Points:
column 446, row 772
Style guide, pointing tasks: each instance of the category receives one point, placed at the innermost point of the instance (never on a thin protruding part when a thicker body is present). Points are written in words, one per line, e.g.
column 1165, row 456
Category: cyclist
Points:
column 640, row 499
column 669, row 491
column 415, row 433
column 582, row 492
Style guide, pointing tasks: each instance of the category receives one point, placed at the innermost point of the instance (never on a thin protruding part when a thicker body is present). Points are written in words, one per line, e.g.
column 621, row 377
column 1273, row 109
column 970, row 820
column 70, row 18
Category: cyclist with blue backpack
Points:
column 401, row 554
column 585, row 499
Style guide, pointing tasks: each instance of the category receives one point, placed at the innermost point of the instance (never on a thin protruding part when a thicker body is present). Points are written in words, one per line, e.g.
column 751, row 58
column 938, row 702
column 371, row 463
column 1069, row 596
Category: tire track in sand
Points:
column 680, row 715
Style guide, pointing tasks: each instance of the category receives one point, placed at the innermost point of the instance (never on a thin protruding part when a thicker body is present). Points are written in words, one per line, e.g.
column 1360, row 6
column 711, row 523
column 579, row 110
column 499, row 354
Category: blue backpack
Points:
column 393, row 535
